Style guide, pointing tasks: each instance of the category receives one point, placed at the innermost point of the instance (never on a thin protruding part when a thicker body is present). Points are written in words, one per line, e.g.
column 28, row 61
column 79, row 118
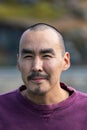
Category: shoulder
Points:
column 9, row 94
column 80, row 98
column 82, row 95
column 81, row 101
column 7, row 98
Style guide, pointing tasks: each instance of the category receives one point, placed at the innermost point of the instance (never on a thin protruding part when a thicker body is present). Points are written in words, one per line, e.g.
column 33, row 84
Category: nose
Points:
column 37, row 64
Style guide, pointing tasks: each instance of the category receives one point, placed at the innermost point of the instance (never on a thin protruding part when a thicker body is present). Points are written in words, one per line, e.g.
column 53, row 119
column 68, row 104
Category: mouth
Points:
column 37, row 79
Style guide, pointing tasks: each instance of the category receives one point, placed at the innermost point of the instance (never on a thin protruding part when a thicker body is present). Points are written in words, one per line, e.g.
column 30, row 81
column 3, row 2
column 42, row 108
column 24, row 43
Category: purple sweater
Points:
column 18, row 113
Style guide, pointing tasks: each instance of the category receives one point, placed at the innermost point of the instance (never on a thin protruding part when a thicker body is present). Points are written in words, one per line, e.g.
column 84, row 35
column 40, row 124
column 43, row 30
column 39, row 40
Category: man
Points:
column 43, row 103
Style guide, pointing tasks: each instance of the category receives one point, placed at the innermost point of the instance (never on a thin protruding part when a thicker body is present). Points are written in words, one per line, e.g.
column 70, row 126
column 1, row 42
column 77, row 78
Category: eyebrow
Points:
column 27, row 51
column 42, row 51
column 50, row 50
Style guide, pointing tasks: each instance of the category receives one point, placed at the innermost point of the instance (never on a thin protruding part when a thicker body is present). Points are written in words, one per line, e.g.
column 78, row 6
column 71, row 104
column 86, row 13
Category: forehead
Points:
column 37, row 40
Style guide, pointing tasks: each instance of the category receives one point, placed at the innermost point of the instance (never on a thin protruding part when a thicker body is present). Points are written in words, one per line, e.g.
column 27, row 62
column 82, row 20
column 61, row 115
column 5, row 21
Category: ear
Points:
column 66, row 61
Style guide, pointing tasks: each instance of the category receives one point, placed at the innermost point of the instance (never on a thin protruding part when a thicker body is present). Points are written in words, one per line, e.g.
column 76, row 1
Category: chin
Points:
column 39, row 92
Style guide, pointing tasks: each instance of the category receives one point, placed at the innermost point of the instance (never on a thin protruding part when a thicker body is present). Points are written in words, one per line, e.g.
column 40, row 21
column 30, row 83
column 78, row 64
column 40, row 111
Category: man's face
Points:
column 41, row 61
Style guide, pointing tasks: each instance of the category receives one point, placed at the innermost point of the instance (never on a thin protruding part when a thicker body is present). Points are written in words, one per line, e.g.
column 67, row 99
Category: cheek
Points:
column 25, row 67
column 53, row 68
column 53, row 65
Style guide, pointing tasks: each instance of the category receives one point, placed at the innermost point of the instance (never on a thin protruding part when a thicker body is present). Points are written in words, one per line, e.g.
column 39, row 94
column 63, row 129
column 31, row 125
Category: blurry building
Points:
column 9, row 39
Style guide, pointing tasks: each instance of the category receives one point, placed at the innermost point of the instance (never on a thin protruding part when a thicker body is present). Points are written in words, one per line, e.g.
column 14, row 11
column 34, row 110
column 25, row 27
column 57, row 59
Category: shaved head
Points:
column 42, row 27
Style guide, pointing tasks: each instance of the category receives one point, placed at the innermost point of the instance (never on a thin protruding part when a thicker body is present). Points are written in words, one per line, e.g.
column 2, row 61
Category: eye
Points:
column 47, row 56
column 28, row 57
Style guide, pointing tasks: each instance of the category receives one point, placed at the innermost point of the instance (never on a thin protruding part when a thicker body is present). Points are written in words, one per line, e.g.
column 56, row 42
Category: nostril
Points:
column 37, row 64
column 36, row 68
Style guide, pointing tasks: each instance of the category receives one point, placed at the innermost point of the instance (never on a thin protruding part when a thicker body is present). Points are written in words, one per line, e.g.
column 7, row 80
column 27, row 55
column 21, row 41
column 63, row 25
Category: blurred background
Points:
column 68, row 16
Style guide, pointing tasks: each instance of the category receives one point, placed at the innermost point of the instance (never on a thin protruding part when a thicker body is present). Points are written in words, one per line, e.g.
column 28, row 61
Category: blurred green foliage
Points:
column 39, row 10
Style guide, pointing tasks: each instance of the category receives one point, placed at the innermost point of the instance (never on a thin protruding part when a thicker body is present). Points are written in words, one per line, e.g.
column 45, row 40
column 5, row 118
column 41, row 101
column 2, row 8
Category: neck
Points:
column 52, row 97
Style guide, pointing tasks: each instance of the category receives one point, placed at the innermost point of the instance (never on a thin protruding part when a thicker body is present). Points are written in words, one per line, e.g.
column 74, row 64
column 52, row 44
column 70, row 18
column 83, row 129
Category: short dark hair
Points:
column 42, row 26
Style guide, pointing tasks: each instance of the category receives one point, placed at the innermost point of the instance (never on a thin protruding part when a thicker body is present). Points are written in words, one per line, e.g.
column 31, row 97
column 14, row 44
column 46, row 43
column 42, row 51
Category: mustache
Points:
column 37, row 74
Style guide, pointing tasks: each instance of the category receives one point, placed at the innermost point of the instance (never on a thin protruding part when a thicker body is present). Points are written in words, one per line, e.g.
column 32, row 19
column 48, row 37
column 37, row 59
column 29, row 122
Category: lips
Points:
column 37, row 79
